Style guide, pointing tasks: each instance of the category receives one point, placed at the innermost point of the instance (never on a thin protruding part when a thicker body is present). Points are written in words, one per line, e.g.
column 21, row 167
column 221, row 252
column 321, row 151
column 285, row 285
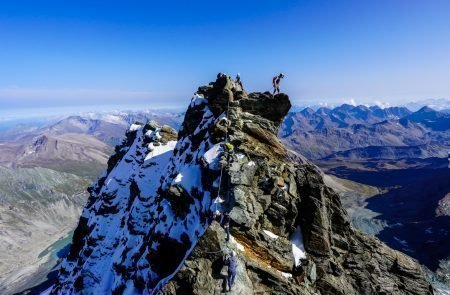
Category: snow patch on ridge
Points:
column 285, row 274
column 270, row 234
column 298, row 248
column 134, row 127
column 152, row 201
column 212, row 153
column 160, row 149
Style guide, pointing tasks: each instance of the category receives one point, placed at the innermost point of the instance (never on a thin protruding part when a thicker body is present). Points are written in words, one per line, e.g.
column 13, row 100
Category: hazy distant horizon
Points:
column 59, row 53
column 52, row 113
column 35, row 106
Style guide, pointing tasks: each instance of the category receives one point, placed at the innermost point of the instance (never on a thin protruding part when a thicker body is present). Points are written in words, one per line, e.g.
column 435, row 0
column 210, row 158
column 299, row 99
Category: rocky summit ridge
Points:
column 147, row 226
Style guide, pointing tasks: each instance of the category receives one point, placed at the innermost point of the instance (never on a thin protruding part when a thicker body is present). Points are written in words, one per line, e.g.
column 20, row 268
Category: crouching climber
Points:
column 276, row 83
column 229, row 150
column 227, row 155
column 219, row 131
column 229, row 146
column 231, row 262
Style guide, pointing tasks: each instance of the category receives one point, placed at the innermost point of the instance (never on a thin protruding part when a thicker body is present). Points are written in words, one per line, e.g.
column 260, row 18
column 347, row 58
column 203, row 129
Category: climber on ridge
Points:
column 217, row 216
column 276, row 83
column 238, row 80
column 232, row 264
column 229, row 146
column 227, row 154
column 226, row 225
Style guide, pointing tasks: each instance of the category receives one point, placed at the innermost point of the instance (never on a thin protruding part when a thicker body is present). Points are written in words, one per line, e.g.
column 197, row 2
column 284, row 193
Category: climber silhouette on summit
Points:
column 276, row 83
column 238, row 80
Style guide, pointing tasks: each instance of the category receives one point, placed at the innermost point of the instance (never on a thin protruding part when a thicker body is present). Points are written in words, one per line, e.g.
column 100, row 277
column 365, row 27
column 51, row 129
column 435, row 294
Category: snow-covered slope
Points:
column 147, row 211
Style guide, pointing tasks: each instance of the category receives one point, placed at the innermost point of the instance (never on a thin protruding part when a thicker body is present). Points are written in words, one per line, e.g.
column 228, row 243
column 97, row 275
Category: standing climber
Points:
column 232, row 265
column 238, row 79
column 276, row 83
column 226, row 225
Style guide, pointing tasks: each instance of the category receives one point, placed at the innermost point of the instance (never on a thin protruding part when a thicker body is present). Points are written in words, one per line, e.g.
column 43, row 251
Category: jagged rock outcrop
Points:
column 273, row 190
column 147, row 227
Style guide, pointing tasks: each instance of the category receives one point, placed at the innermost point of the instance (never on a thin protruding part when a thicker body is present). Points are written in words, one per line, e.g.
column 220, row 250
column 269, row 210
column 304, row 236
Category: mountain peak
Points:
column 307, row 111
column 226, row 91
column 426, row 109
column 345, row 107
column 362, row 107
column 431, row 118
column 323, row 111
column 154, row 222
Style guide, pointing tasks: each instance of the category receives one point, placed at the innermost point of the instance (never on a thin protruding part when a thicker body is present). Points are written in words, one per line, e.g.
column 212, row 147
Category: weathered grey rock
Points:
column 134, row 236
column 268, row 199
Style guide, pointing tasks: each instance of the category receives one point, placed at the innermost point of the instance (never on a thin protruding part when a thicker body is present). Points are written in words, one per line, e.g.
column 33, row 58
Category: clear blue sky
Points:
column 155, row 53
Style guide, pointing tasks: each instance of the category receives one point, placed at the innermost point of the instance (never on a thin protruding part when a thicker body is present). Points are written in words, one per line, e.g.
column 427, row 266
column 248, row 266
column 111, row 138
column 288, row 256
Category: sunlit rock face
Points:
column 147, row 227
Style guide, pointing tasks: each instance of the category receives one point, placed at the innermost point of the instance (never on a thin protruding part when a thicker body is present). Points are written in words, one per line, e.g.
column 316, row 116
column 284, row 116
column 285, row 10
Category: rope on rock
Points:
column 217, row 199
column 213, row 252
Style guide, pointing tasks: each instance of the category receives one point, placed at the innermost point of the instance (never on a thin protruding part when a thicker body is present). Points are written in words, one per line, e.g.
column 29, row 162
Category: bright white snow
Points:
column 134, row 127
column 213, row 153
column 131, row 190
column 197, row 100
column 178, row 178
column 160, row 149
column 298, row 248
column 270, row 234
column 286, row 275
column 240, row 247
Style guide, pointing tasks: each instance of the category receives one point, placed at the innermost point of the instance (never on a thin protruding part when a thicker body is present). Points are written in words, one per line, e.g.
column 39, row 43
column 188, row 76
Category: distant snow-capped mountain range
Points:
column 439, row 104
column 316, row 133
column 323, row 132
column 81, row 144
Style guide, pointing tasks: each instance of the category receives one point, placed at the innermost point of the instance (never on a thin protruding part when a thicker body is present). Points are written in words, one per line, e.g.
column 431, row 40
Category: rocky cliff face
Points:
column 147, row 227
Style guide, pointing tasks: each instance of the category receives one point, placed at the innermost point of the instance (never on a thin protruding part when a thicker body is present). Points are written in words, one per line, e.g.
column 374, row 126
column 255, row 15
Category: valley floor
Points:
column 34, row 264
column 39, row 208
column 410, row 212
